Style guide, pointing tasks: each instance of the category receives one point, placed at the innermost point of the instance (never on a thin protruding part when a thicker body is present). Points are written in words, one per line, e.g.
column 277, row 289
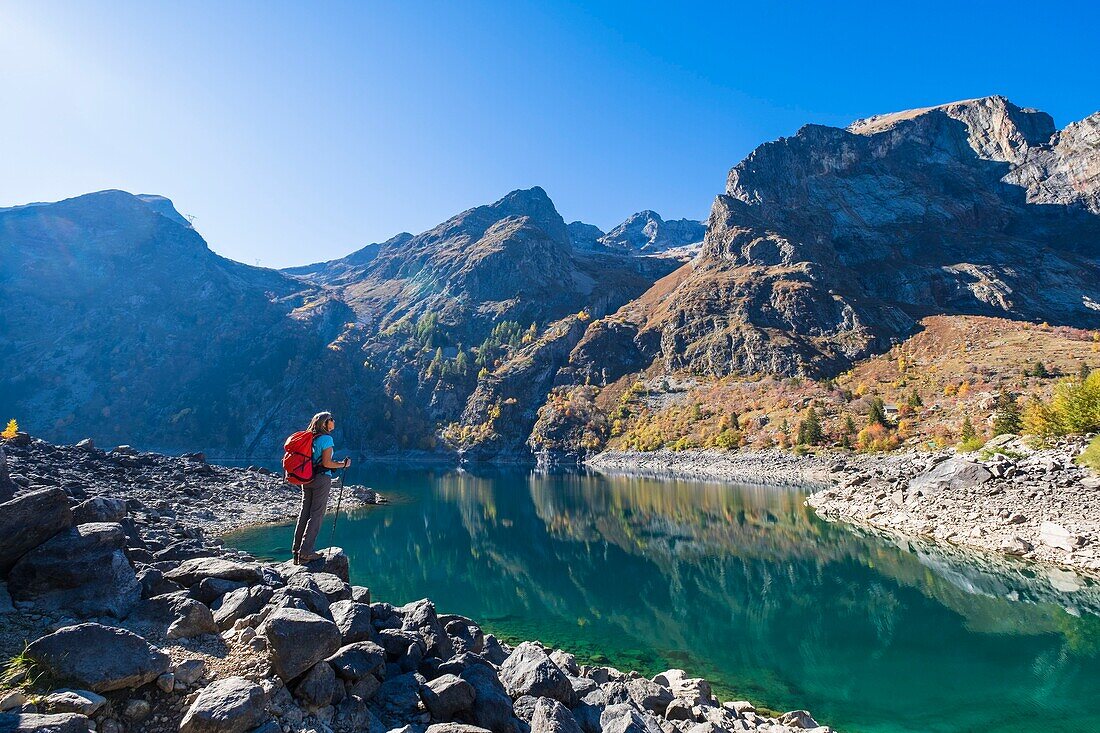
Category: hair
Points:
column 317, row 424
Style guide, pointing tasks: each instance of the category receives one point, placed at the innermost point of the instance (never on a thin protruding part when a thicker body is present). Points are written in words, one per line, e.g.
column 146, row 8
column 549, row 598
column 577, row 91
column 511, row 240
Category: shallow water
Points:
column 743, row 585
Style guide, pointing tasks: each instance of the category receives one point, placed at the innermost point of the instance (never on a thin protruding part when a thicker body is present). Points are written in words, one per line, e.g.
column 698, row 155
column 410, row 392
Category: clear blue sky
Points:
column 298, row 132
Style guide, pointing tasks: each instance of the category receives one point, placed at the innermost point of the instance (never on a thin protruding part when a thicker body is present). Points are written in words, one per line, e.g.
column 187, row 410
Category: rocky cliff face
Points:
column 829, row 245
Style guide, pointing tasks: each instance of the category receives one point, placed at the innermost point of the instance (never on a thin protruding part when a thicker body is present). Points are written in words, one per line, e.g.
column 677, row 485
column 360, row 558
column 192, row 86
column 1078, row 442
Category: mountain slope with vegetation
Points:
column 503, row 331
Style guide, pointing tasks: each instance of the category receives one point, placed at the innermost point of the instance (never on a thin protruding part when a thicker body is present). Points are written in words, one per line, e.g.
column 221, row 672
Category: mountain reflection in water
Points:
column 743, row 585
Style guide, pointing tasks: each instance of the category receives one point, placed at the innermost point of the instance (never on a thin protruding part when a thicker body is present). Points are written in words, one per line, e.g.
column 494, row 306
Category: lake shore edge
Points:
column 119, row 555
column 1010, row 499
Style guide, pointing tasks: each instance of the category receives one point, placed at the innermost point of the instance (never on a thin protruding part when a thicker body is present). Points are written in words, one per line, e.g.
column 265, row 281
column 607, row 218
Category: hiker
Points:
column 315, row 492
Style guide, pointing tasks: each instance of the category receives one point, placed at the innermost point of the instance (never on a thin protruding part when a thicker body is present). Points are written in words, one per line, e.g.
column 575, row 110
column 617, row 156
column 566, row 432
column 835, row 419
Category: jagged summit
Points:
column 646, row 232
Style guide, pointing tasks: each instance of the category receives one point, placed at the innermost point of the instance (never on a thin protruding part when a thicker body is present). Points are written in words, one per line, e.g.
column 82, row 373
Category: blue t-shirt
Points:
column 319, row 444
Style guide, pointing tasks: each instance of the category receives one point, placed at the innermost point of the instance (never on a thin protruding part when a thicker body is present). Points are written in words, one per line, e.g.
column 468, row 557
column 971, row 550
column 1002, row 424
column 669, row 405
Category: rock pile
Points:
column 152, row 628
column 1007, row 498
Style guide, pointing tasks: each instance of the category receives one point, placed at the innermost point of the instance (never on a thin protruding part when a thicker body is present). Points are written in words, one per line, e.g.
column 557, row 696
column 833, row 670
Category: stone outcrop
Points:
column 29, row 520
column 83, row 569
column 98, row 657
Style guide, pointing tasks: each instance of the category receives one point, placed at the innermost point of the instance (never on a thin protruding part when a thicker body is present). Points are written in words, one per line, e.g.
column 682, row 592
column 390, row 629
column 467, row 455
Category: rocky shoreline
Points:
column 774, row 467
column 120, row 610
column 1008, row 499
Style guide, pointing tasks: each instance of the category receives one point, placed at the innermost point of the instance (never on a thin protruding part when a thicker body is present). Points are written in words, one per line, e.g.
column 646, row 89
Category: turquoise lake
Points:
column 743, row 585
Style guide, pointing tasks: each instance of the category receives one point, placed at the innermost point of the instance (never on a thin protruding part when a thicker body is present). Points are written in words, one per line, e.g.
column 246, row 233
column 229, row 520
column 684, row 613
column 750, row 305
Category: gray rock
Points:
column 34, row 723
column 529, row 671
column 798, row 719
column 317, row 687
column 28, row 521
column 239, row 603
column 355, row 661
column 493, row 707
column 551, row 716
column 99, row 509
column 524, row 707
column 177, row 614
column 493, row 651
column 189, row 671
column 136, row 710
column 447, row 695
column 5, row 600
column 230, row 705
column 153, row 584
column 360, row 594
column 649, row 695
column 623, row 718
column 194, row 570
column 333, row 560
column 420, row 617
column 354, row 620
column 304, row 588
column 99, row 657
column 1056, row 535
column 11, row 700
column 298, row 639
column 84, row 702
column 82, row 569
column 954, row 474
column 566, row 662
column 455, row 728
column 209, row 590
column 395, row 703
column 397, row 642
column 334, row 588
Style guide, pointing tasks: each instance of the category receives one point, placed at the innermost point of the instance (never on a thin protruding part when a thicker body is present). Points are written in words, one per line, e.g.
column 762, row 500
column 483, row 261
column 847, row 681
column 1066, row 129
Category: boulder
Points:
column 447, row 695
column 649, row 695
column 209, row 590
column 551, row 716
column 693, row 689
column 298, row 639
column 34, row 723
column 29, row 520
column 84, row 702
column 194, row 570
column 528, row 670
column 397, row 642
column 493, row 707
column 190, row 671
column 304, row 588
column 798, row 719
column 333, row 560
column 82, row 569
column 360, row 594
column 1055, row 535
column 99, row 509
column 494, row 651
column 396, row 701
column 332, row 586
column 954, row 474
column 152, row 582
column 624, row 718
column 354, row 620
column 355, row 661
column 317, row 687
column 455, row 728
column 420, row 617
column 100, row 658
column 179, row 615
column 239, row 603
column 230, row 705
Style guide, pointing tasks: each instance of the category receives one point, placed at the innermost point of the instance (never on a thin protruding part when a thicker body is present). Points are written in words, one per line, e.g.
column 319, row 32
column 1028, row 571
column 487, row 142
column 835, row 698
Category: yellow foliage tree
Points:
column 11, row 430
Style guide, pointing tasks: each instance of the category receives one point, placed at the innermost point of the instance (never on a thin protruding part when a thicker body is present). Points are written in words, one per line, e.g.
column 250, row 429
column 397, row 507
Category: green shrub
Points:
column 1091, row 455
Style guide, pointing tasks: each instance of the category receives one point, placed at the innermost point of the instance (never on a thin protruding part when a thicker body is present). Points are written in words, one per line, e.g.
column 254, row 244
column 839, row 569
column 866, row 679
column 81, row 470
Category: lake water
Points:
column 740, row 584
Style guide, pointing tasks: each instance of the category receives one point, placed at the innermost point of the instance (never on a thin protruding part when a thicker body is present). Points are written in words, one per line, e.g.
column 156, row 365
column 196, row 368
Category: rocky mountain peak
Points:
column 164, row 206
column 647, row 232
column 996, row 128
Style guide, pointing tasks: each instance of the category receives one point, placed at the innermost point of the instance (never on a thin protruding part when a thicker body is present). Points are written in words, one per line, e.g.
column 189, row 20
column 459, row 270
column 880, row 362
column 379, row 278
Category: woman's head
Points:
column 322, row 423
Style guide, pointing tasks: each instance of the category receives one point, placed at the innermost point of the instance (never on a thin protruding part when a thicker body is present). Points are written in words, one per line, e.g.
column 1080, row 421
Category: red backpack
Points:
column 298, row 459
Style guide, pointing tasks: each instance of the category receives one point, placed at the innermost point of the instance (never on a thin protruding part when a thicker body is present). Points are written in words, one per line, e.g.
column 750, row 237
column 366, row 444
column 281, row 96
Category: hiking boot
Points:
column 295, row 559
column 308, row 557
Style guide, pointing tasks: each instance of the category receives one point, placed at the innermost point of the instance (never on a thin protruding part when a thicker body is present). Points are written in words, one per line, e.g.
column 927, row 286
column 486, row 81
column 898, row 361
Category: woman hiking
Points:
column 315, row 493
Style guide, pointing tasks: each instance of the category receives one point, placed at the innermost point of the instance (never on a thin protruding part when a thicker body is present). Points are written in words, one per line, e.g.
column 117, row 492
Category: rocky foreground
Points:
column 120, row 611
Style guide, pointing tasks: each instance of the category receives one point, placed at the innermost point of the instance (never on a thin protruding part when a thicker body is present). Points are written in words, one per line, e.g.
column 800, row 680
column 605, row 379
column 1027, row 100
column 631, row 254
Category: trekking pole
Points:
column 339, row 501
